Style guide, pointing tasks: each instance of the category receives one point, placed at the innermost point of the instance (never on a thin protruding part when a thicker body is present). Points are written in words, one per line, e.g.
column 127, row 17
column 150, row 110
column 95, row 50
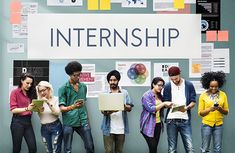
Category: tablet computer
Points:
column 37, row 104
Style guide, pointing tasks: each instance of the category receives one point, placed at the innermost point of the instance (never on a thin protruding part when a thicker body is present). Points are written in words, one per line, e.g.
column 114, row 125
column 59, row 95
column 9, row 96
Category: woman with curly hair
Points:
column 213, row 105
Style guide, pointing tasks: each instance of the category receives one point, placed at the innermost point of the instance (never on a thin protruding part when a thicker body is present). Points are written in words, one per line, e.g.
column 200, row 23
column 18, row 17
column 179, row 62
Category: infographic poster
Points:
column 210, row 11
column 137, row 73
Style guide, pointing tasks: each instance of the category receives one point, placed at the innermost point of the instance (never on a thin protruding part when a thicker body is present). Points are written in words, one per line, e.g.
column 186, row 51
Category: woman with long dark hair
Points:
column 151, row 119
column 20, row 106
column 213, row 105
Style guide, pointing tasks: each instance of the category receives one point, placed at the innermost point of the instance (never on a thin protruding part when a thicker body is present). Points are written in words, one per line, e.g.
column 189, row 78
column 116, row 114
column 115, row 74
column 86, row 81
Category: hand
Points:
column 183, row 109
column 127, row 108
column 30, row 106
column 109, row 112
column 78, row 104
column 212, row 108
column 168, row 104
column 41, row 109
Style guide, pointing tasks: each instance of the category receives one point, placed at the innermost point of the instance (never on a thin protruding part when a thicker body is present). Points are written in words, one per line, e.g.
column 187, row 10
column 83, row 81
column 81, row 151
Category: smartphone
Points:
column 216, row 105
column 79, row 101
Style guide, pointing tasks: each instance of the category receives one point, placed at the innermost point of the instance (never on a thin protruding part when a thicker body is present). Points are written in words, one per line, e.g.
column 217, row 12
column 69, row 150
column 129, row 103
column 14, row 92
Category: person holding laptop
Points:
column 115, row 122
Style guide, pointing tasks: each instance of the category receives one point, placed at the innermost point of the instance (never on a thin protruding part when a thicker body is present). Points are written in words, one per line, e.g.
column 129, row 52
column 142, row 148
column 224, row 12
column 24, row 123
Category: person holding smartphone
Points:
column 213, row 105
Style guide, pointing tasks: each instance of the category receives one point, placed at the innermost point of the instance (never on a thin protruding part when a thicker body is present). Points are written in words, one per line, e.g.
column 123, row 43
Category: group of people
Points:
column 213, row 105
column 71, row 103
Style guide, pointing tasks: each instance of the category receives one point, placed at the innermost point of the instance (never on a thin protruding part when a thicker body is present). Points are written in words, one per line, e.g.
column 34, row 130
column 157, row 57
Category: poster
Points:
column 210, row 10
column 137, row 73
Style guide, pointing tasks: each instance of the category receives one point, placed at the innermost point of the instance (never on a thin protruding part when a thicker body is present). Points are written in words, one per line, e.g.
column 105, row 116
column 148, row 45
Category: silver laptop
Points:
column 111, row 101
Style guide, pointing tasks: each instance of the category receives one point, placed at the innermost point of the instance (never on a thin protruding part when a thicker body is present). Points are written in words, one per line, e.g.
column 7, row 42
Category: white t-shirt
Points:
column 117, row 124
column 46, row 116
column 178, row 98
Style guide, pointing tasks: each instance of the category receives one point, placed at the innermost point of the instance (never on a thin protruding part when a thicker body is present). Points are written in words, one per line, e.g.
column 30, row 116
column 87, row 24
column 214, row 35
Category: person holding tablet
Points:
column 51, row 127
column 21, row 106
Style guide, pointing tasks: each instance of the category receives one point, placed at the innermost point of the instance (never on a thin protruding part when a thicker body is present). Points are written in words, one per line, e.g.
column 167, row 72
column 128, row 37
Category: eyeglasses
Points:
column 160, row 85
column 76, row 74
column 42, row 90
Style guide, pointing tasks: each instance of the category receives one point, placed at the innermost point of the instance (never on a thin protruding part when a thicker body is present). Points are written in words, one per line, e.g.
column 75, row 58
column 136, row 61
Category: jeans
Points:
column 216, row 132
column 184, row 128
column 116, row 139
column 84, row 132
column 21, row 127
column 153, row 141
column 52, row 134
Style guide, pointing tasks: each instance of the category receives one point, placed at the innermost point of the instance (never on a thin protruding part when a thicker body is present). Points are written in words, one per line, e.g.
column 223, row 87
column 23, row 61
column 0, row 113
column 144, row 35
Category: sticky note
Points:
column 196, row 68
column 223, row 35
column 15, row 6
column 15, row 18
column 211, row 35
column 105, row 4
column 178, row 4
column 92, row 4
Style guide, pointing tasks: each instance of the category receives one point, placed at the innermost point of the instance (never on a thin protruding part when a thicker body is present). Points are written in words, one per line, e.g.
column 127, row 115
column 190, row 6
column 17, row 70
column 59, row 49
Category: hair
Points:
column 47, row 85
column 173, row 71
column 154, row 82
column 207, row 77
column 72, row 67
column 113, row 73
column 31, row 93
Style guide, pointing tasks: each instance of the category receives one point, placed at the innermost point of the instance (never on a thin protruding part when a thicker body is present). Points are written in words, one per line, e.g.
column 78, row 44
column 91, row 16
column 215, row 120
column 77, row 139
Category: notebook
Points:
column 111, row 101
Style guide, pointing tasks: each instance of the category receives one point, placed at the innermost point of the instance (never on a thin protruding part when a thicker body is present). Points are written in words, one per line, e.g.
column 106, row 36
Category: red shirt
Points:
column 19, row 100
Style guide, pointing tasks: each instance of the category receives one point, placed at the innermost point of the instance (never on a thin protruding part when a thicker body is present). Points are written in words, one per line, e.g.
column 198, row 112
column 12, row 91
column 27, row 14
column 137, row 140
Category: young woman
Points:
column 51, row 129
column 20, row 106
column 152, row 114
column 213, row 105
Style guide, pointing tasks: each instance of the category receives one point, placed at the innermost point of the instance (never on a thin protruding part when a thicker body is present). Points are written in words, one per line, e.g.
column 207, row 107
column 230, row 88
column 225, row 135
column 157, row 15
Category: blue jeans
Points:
column 21, row 127
column 184, row 128
column 216, row 133
column 52, row 135
column 84, row 132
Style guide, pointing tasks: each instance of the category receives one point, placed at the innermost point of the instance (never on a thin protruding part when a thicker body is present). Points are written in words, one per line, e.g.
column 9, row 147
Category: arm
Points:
column 21, row 110
column 202, row 111
column 54, row 106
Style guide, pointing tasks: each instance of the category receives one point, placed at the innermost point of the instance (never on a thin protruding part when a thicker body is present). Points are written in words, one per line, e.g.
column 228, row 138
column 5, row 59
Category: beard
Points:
column 113, row 86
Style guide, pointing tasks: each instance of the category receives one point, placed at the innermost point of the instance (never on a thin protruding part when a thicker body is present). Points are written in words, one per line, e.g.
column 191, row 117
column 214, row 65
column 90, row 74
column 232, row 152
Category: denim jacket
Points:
column 106, row 118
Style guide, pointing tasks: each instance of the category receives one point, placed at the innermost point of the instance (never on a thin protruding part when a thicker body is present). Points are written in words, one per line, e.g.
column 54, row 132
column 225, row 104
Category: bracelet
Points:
column 26, row 109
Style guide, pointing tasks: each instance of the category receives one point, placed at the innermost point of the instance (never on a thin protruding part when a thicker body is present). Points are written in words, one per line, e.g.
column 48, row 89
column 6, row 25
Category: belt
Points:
column 177, row 120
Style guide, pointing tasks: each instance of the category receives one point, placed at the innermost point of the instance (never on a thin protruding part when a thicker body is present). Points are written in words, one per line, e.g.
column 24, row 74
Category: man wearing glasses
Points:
column 72, row 96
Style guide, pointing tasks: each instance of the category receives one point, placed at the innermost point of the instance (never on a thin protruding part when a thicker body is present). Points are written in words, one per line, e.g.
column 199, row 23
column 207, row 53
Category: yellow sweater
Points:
column 215, row 117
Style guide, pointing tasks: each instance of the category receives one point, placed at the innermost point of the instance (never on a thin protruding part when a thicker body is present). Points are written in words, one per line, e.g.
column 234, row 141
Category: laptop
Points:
column 111, row 101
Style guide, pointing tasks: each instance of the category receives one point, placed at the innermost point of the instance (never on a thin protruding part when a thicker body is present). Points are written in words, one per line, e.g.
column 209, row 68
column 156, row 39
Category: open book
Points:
column 177, row 108
column 37, row 104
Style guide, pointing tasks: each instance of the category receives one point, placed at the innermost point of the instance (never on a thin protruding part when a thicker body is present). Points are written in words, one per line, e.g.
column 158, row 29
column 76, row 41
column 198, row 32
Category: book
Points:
column 37, row 104
column 177, row 108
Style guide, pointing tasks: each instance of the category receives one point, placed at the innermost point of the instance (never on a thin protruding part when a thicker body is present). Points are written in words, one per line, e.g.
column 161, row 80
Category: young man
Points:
column 72, row 96
column 180, row 92
column 115, row 123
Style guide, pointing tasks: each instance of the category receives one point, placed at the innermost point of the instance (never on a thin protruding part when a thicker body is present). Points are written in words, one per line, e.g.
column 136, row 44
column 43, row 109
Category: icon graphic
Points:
column 137, row 73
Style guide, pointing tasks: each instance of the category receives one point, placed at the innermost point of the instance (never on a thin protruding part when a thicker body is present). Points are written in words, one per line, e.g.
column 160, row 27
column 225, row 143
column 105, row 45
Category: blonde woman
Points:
column 51, row 129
